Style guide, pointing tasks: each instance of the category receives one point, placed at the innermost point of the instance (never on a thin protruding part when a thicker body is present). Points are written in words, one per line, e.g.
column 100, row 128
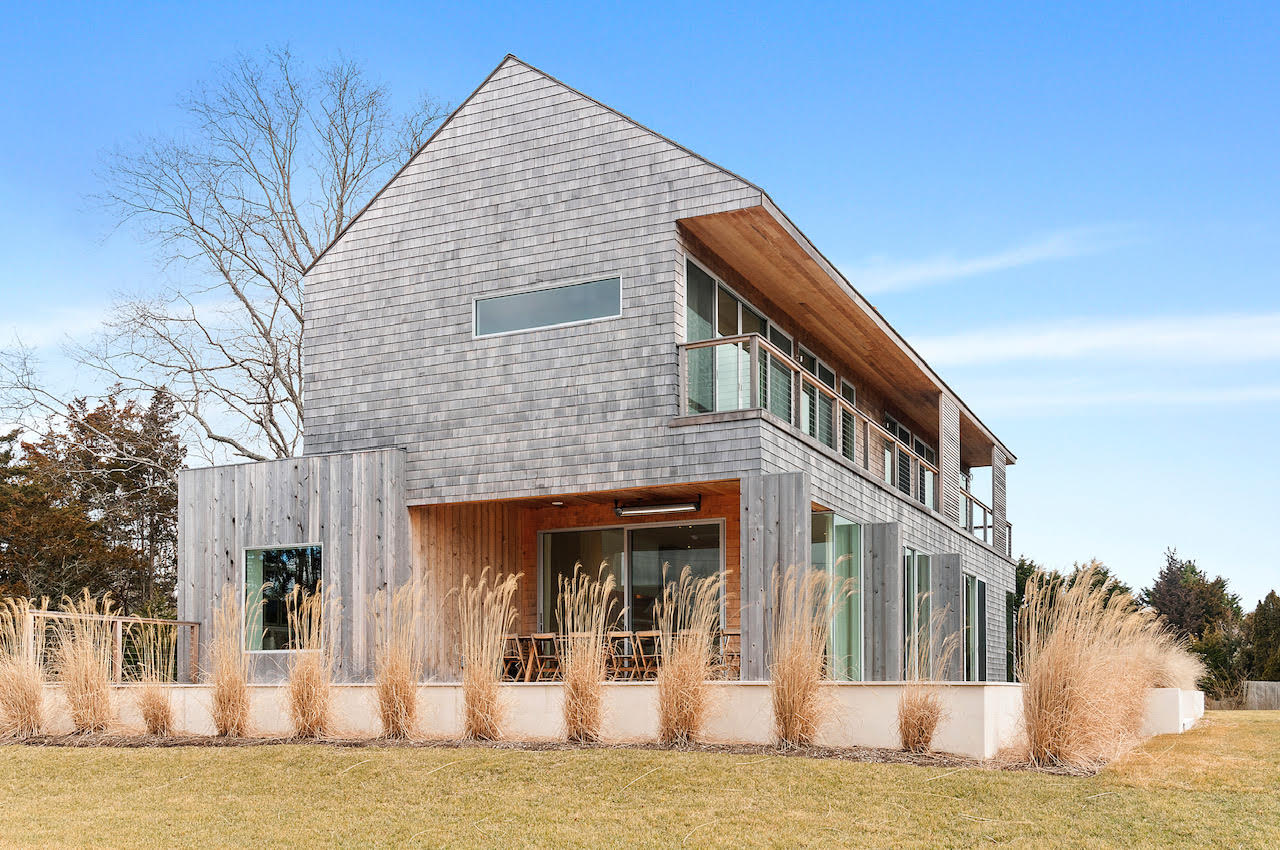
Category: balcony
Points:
column 748, row 372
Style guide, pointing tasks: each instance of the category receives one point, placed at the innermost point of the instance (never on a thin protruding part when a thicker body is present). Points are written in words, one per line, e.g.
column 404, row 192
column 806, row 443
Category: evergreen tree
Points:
column 1263, row 629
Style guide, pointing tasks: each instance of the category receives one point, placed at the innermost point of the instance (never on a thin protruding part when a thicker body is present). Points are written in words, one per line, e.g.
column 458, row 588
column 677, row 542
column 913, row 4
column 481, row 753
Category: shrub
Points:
column 485, row 615
column 804, row 602
column 400, row 624
column 83, row 659
column 21, row 670
column 156, row 644
column 1089, row 657
column 229, row 666
column 585, row 609
column 928, row 652
column 311, row 661
column 688, row 614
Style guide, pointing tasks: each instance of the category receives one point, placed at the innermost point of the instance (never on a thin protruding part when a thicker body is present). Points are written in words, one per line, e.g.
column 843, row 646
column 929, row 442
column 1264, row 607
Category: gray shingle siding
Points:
column 531, row 184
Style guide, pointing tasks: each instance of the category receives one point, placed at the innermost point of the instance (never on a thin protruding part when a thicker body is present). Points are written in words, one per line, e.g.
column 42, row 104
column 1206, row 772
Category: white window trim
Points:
column 243, row 586
column 476, row 299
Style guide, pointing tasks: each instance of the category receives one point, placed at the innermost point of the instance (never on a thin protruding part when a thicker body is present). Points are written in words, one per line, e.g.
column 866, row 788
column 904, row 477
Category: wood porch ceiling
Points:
column 764, row 247
column 629, row 495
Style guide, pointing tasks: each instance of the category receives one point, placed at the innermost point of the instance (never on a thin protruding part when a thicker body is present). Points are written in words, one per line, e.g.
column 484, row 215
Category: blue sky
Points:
column 1074, row 212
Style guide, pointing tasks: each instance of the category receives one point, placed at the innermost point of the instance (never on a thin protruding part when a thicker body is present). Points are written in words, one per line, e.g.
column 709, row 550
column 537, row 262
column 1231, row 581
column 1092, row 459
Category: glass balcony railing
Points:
column 748, row 372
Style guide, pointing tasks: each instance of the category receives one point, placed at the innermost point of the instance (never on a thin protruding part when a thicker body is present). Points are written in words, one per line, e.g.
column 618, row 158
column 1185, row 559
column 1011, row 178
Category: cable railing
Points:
column 126, row 639
column 747, row 372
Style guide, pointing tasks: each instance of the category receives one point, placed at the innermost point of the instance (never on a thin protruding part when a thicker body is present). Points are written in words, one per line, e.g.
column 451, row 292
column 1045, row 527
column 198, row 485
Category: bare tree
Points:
column 276, row 162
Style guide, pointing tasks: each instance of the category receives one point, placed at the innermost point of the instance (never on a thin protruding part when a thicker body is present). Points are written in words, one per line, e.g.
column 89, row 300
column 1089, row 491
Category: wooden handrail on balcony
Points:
column 756, row 343
column 984, row 530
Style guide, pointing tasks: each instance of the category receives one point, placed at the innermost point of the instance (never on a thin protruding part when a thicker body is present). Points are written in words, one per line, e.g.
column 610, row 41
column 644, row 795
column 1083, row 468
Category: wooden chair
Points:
column 646, row 654
column 513, row 658
column 544, row 657
column 622, row 658
column 730, row 650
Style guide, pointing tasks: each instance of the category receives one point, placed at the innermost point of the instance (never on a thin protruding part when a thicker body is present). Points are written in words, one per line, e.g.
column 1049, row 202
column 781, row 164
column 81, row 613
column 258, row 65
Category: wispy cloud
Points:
column 1190, row 339
column 1052, row 402
column 882, row 274
column 53, row 327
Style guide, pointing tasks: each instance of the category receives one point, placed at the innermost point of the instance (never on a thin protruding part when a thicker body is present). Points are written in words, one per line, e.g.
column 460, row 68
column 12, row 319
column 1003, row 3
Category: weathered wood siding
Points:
column 352, row 505
column 882, row 574
column 453, row 541
column 946, row 594
column 776, row 535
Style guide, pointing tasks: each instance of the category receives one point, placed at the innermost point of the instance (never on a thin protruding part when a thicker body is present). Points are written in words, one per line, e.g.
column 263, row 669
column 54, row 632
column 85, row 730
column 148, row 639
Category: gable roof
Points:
column 767, row 203
column 511, row 58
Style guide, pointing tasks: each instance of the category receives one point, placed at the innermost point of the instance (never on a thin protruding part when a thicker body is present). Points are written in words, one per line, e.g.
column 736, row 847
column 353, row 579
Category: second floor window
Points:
column 544, row 308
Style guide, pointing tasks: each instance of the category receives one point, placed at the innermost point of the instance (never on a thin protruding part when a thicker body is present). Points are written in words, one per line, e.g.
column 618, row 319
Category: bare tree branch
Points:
column 276, row 161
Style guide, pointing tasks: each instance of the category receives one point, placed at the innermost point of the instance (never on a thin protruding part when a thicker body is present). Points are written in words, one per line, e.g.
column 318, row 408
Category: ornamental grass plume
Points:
column 21, row 668
column 229, row 666
column 401, row 624
column 804, row 602
column 586, row 611
column 1089, row 657
column 156, row 644
column 310, row 663
column 928, row 652
column 485, row 616
column 688, row 614
column 83, row 659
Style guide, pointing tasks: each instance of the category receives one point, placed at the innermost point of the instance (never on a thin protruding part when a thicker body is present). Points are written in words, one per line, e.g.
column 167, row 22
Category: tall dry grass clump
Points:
column 83, row 659
column 21, row 669
column 156, row 645
column 586, row 611
column 688, row 615
column 401, row 623
column 804, row 602
column 928, row 652
column 310, row 664
column 1089, row 656
column 485, row 615
column 229, row 666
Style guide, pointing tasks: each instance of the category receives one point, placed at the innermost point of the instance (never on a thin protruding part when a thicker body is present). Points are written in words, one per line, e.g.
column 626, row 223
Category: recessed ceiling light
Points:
column 557, row 504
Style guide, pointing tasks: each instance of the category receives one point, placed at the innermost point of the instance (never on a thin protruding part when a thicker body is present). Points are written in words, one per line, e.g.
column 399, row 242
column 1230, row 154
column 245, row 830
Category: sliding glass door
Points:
column 636, row 556
column 837, row 550
column 975, row 629
column 917, row 614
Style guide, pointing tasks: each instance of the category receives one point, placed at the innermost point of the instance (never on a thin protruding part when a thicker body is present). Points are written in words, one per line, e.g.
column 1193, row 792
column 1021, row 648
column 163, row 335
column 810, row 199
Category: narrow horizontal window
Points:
column 561, row 305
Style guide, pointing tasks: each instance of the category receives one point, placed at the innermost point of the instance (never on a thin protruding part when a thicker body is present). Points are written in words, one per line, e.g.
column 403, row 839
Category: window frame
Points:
column 625, row 568
column 863, row 612
column 476, row 299
column 244, row 590
column 974, row 637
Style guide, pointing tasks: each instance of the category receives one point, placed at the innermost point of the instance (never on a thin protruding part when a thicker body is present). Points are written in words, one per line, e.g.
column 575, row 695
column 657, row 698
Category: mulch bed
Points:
column 871, row 755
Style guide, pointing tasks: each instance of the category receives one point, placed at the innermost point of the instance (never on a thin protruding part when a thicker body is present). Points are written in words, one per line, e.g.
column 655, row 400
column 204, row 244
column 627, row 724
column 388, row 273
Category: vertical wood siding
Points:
column 353, row 505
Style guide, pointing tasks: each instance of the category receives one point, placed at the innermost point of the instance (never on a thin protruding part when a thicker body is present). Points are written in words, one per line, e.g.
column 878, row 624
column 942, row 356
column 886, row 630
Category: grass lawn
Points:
column 1218, row 785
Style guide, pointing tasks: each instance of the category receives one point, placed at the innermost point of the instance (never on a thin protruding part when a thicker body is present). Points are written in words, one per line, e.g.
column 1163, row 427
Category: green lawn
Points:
column 1218, row 785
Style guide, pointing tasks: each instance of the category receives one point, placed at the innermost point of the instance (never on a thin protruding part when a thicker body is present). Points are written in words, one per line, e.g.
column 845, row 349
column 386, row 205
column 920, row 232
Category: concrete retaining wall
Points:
column 981, row 719
column 1171, row 711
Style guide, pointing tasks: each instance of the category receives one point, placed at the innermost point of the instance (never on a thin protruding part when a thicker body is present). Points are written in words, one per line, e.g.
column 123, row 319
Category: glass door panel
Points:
column 837, row 549
column 561, row 550
column 676, row 546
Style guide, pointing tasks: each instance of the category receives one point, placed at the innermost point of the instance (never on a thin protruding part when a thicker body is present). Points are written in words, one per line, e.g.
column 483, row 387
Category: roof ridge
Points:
column 511, row 57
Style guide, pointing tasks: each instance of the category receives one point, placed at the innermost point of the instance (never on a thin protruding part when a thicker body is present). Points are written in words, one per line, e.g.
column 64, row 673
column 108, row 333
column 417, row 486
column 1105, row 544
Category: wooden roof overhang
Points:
column 762, row 245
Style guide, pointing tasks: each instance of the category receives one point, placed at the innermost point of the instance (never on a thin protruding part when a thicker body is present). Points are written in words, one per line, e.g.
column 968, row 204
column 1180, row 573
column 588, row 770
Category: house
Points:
column 556, row 336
